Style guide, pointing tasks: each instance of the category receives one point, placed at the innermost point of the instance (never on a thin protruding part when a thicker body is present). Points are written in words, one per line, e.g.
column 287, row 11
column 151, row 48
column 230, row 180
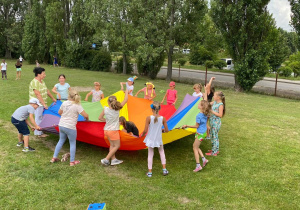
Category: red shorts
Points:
column 112, row 135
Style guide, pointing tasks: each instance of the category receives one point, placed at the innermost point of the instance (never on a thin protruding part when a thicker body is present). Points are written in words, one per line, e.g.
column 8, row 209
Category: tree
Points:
column 295, row 17
column 11, row 25
column 249, row 32
column 280, row 51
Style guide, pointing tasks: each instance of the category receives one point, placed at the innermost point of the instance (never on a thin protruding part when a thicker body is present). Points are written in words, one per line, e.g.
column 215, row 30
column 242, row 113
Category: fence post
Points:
column 276, row 84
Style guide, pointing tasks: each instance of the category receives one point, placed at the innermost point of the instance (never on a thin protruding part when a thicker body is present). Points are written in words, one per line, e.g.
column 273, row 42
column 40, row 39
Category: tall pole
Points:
column 276, row 84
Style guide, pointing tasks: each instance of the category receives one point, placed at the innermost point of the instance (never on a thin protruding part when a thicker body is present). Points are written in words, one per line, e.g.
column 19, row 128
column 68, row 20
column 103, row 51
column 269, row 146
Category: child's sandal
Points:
column 74, row 163
column 53, row 160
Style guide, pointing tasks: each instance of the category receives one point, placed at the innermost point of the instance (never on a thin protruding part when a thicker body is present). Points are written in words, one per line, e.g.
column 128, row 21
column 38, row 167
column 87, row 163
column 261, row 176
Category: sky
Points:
column 281, row 11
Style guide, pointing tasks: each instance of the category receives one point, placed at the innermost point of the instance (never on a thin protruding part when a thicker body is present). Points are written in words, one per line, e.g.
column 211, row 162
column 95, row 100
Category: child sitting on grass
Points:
column 171, row 95
column 20, row 121
column 197, row 89
column 97, row 93
column 201, row 121
column 153, row 128
column 149, row 92
column 129, row 85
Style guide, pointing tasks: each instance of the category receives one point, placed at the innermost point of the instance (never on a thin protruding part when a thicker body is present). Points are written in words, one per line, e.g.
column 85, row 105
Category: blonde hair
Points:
column 222, row 96
column 153, row 87
column 206, row 107
column 114, row 104
column 198, row 86
column 74, row 96
column 155, row 107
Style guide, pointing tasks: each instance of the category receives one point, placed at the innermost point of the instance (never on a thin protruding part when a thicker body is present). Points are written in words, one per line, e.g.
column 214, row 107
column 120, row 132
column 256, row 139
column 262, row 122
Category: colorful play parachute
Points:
column 136, row 110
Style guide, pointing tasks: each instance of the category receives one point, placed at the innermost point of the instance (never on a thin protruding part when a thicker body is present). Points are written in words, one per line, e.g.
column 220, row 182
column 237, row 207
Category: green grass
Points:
column 258, row 166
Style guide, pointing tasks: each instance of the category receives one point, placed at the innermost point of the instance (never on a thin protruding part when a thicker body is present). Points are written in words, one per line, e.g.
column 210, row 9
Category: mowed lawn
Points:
column 258, row 166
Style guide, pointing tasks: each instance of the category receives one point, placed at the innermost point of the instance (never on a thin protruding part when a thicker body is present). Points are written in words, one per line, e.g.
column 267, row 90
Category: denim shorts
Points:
column 21, row 126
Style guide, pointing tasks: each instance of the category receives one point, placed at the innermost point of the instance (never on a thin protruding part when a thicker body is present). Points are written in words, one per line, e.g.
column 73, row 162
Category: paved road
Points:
column 228, row 79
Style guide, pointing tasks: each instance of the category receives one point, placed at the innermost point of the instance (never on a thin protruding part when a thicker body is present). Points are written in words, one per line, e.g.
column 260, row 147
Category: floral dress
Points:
column 215, row 125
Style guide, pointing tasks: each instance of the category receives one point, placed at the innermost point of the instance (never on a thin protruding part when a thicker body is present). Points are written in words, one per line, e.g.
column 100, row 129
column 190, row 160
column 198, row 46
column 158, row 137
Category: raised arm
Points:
column 125, row 99
column 208, row 86
column 87, row 96
column 146, row 126
column 122, row 83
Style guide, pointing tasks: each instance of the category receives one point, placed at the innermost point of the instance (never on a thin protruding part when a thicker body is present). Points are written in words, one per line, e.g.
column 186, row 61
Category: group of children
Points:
column 212, row 109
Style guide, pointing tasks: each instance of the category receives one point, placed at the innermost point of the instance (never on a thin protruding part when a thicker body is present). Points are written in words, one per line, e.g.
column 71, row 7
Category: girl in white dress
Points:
column 153, row 139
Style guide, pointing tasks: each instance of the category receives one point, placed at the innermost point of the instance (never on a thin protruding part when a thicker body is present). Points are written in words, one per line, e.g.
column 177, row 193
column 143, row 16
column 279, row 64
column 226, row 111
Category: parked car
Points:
column 229, row 63
column 186, row 51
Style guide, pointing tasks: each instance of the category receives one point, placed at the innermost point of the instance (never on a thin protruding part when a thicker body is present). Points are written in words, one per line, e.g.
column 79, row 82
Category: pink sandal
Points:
column 74, row 163
column 53, row 160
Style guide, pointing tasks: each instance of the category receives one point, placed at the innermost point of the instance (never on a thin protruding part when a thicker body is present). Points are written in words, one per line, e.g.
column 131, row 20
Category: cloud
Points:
column 281, row 11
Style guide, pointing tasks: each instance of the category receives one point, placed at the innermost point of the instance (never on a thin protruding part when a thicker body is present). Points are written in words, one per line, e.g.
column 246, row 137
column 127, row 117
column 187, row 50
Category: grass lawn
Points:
column 258, row 166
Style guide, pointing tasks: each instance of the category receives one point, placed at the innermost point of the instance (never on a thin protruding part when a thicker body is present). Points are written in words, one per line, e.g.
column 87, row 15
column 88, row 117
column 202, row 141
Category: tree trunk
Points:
column 7, row 53
column 67, row 18
column 124, row 63
column 237, row 86
column 170, row 64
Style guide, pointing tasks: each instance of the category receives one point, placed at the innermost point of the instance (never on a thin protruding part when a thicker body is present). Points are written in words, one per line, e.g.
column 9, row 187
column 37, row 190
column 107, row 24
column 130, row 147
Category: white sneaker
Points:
column 105, row 162
column 116, row 162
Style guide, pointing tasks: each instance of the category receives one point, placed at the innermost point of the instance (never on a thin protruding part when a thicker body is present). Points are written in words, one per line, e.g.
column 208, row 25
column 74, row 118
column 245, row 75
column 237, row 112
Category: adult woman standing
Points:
column 62, row 88
column 38, row 89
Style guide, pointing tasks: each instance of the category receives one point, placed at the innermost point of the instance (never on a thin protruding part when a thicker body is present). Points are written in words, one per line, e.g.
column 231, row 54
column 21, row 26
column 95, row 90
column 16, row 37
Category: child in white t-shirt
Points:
column 198, row 89
column 3, row 69
column 129, row 85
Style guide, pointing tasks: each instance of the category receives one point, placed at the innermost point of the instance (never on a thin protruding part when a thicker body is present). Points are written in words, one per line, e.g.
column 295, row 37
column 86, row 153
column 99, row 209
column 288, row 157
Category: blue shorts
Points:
column 21, row 126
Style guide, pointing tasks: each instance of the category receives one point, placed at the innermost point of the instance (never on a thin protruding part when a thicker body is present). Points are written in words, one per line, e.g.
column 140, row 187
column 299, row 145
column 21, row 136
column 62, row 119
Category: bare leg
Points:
column 26, row 141
column 20, row 137
column 114, row 146
column 196, row 150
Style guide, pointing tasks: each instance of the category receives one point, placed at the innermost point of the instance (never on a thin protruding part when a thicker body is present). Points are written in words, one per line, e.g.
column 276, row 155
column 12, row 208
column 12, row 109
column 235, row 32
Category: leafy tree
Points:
column 295, row 19
column 11, row 26
column 249, row 32
column 285, row 71
column 280, row 51
column 200, row 54
column 220, row 64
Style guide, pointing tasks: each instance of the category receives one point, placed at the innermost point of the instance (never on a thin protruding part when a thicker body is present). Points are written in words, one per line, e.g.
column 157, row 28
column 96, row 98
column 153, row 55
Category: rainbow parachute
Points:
column 136, row 110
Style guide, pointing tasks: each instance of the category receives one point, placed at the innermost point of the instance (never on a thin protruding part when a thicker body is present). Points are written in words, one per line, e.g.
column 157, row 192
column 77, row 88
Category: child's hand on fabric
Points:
column 37, row 128
column 45, row 106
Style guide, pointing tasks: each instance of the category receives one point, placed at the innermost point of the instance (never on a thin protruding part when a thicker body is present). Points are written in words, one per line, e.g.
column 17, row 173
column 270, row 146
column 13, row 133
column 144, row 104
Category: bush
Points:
column 295, row 66
column 209, row 64
column 101, row 61
column 285, row 71
column 150, row 66
column 199, row 55
column 119, row 66
column 182, row 61
column 220, row 64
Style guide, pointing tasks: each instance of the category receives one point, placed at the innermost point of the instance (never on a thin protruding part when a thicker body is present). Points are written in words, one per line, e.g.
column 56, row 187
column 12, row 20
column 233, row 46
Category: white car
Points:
column 229, row 63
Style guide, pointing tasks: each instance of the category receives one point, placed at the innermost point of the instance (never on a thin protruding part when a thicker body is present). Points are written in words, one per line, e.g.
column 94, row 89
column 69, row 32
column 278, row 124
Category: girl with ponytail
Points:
column 218, row 111
column 153, row 128
column 112, row 128
column 69, row 112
